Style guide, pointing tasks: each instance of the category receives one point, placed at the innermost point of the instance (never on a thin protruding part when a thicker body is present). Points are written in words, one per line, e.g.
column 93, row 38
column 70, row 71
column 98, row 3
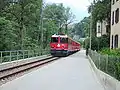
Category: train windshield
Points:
column 63, row 40
column 54, row 39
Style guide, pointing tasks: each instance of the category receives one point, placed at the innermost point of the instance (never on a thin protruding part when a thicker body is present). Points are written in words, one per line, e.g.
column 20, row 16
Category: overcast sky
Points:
column 78, row 7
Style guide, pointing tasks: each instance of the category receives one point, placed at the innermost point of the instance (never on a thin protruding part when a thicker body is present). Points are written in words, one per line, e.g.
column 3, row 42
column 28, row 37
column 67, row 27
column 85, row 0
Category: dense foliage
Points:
column 97, row 43
column 108, row 51
column 114, row 61
column 28, row 24
column 101, row 10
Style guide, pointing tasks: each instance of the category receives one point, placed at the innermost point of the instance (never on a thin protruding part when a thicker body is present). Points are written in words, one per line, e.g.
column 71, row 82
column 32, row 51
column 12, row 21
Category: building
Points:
column 115, row 24
column 101, row 28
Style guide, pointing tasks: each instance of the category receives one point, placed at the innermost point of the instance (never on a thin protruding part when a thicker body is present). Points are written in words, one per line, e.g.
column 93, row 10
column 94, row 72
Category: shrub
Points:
column 113, row 52
column 97, row 43
column 94, row 43
column 104, row 42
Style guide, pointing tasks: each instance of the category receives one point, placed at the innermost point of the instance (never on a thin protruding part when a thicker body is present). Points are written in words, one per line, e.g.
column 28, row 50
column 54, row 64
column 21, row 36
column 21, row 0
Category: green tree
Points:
column 60, row 15
column 68, row 18
column 27, row 15
column 82, row 28
column 21, row 20
column 7, row 36
column 101, row 10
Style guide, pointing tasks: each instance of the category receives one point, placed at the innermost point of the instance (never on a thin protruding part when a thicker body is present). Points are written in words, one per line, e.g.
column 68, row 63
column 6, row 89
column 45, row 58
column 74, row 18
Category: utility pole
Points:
column 91, row 22
column 91, row 25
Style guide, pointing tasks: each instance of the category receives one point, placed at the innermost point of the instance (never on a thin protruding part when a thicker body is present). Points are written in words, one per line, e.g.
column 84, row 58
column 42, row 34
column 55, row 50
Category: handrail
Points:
column 7, row 56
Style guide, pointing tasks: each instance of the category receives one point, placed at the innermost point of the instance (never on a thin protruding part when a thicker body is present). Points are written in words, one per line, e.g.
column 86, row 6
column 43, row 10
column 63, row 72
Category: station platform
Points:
column 68, row 73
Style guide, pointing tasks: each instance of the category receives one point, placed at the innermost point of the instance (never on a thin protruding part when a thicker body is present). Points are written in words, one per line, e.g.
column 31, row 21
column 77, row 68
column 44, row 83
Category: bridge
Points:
column 75, row 72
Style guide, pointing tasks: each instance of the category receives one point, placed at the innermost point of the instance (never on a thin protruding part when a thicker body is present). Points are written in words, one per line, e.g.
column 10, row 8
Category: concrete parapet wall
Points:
column 11, row 64
column 106, row 80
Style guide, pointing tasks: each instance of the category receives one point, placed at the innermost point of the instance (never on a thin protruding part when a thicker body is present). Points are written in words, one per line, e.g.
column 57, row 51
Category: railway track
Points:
column 17, row 71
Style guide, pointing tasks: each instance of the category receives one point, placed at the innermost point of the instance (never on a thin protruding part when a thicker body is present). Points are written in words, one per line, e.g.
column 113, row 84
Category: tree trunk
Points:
column 21, row 26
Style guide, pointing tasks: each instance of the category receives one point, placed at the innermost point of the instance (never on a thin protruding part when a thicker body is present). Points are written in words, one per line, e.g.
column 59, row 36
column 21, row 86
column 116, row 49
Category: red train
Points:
column 62, row 45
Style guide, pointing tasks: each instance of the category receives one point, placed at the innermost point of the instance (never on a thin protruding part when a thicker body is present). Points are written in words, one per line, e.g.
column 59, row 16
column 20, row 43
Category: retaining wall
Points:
column 106, row 80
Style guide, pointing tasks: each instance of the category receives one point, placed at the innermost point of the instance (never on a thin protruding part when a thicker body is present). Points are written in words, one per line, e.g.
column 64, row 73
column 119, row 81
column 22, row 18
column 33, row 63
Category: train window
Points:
column 63, row 40
column 54, row 39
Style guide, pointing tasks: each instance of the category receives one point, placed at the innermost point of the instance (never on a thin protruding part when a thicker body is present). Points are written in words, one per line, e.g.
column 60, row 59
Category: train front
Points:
column 59, row 45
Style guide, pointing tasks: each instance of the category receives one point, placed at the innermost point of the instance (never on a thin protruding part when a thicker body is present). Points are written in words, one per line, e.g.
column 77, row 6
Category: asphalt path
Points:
column 68, row 73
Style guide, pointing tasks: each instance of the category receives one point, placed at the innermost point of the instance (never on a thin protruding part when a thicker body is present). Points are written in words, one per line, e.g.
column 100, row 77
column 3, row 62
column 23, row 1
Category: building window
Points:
column 112, row 42
column 117, row 15
column 116, row 41
column 113, row 18
column 98, row 29
column 113, row 1
column 107, row 29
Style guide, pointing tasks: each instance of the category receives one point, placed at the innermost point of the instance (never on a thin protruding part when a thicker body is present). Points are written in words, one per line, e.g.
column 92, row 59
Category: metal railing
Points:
column 107, row 63
column 7, row 56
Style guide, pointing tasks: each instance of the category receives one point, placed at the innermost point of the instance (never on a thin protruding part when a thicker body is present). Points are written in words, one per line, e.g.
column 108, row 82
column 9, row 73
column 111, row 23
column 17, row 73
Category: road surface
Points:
column 68, row 73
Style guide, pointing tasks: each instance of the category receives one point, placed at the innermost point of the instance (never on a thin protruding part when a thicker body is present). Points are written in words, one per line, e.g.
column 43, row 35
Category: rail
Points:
column 7, row 56
column 14, row 71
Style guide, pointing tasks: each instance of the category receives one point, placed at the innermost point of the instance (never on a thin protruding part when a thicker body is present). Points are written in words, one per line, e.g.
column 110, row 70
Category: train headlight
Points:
column 58, row 45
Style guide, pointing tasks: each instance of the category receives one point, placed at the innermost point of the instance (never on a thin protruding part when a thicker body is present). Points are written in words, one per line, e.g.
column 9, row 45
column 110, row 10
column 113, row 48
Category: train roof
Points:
column 65, row 36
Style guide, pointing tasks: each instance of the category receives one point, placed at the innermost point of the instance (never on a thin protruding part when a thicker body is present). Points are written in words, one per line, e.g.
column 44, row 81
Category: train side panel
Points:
column 73, row 46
